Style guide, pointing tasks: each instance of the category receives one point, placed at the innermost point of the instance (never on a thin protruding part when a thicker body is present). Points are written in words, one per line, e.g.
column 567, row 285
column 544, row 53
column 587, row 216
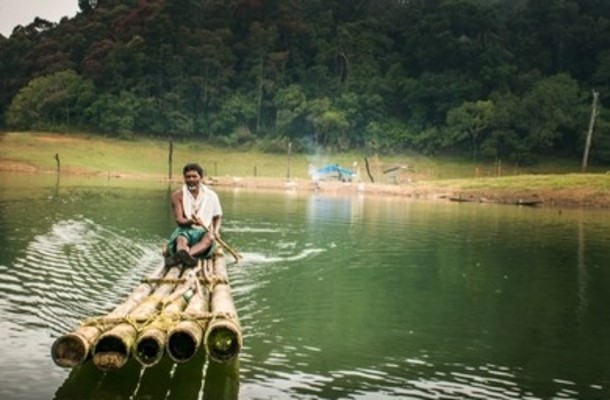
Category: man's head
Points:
column 192, row 175
column 193, row 167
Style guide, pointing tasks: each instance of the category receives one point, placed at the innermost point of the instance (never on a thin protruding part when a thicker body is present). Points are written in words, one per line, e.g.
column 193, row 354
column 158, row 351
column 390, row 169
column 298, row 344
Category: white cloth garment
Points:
column 206, row 205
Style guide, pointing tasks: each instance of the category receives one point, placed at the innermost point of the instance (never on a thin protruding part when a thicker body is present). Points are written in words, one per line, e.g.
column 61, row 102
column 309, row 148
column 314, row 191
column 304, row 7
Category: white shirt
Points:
column 206, row 205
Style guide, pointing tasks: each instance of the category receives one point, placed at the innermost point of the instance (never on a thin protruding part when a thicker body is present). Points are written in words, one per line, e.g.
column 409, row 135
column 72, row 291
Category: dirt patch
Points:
column 58, row 139
column 16, row 166
column 573, row 198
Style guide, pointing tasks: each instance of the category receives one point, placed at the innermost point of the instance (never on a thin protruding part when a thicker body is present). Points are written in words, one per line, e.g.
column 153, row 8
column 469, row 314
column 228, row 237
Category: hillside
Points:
column 484, row 79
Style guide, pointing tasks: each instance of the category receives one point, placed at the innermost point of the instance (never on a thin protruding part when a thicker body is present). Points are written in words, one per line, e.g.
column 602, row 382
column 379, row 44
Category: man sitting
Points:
column 198, row 214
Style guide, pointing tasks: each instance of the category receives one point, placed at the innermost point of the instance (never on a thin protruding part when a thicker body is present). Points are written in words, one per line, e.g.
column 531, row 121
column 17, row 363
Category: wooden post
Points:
column 594, row 112
column 368, row 170
column 289, row 151
column 171, row 156
column 57, row 161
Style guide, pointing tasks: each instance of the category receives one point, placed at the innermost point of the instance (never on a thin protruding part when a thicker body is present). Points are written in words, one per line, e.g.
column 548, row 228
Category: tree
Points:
column 291, row 106
column 330, row 125
column 86, row 6
column 238, row 111
column 115, row 114
column 550, row 113
column 50, row 101
column 469, row 121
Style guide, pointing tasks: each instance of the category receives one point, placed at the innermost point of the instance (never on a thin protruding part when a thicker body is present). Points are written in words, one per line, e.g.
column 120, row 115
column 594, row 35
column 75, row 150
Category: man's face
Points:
column 192, row 179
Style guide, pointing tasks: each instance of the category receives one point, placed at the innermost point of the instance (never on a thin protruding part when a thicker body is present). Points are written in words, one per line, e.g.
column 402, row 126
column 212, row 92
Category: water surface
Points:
column 340, row 297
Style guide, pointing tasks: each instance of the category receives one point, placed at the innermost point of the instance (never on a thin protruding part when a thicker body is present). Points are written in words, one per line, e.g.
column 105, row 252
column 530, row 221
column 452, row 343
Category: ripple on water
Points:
column 75, row 270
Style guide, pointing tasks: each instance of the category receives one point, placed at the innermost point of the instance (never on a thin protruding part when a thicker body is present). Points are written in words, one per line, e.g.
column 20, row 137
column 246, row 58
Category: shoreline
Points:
column 542, row 197
column 581, row 196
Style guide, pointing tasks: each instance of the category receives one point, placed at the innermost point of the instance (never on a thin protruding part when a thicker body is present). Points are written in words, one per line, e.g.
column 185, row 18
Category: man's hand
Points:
column 196, row 221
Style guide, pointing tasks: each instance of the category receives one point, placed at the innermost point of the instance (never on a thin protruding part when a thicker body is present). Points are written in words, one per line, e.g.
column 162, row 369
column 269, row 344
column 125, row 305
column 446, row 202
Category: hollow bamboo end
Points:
column 110, row 353
column 184, row 341
column 70, row 350
column 223, row 341
column 149, row 348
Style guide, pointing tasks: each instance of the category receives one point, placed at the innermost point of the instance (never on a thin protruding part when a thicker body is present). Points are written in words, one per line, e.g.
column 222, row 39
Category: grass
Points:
column 89, row 153
column 549, row 181
column 96, row 154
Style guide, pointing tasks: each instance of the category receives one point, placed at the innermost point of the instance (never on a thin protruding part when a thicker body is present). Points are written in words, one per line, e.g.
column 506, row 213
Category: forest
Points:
column 511, row 80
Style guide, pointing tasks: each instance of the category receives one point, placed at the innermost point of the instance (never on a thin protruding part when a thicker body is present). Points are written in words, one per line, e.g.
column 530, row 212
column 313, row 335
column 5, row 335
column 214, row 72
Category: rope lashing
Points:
column 142, row 322
column 163, row 280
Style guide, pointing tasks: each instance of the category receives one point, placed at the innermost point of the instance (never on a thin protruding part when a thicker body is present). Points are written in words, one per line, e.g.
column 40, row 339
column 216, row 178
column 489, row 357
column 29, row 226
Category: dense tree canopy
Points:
column 504, row 79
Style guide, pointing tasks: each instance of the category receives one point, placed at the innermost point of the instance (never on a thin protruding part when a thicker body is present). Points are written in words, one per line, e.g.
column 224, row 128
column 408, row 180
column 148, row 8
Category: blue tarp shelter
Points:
column 343, row 174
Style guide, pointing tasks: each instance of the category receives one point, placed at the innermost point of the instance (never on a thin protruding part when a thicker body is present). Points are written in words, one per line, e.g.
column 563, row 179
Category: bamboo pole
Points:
column 113, row 348
column 223, row 337
column 221, row 274
column 232, row 251
column 74, row 348
column 185, row 338
column 150, row 344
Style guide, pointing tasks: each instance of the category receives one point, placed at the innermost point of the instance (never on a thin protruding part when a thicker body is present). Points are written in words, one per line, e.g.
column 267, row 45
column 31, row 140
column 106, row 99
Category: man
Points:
column 198, row 214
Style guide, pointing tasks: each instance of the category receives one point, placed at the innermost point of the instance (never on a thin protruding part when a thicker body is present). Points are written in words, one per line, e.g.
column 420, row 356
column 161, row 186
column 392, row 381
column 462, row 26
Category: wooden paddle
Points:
column 234, row 253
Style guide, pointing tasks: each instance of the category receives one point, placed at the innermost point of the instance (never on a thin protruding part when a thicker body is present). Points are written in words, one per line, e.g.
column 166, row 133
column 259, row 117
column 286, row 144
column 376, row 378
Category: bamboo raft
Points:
column 173, row 312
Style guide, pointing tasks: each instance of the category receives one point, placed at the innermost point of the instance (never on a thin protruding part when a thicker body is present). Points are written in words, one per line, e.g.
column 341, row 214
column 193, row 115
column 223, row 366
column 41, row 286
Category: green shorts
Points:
column 192, row 235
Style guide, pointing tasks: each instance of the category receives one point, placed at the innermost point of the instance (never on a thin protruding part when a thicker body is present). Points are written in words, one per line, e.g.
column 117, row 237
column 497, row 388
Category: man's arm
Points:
column 181, row 220
column 216, row 223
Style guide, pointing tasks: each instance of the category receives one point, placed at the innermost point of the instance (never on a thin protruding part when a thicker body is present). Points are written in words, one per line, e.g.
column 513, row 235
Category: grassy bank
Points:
column 96, row 154
column 411, row 176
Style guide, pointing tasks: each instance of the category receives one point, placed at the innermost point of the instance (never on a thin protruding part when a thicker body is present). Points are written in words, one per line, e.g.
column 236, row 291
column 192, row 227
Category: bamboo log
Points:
column 113, row 348
column 185, row 338
column 223, row 338
column 74, row 348
column 220, row 270
column 150, row 344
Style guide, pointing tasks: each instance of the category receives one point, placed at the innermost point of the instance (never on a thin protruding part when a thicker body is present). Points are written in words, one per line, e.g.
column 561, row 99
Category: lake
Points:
column 339, row 296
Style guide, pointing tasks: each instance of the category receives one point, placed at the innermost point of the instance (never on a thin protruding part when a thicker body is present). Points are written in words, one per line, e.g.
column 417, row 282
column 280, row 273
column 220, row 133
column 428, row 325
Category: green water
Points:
column 339, row 297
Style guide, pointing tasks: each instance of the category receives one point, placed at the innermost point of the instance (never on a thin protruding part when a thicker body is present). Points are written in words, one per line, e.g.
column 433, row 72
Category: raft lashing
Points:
column 171, row 314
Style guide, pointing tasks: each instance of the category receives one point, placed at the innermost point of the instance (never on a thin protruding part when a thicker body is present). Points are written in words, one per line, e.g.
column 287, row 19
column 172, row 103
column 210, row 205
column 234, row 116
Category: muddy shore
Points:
column 573, row 197
column 538, row 197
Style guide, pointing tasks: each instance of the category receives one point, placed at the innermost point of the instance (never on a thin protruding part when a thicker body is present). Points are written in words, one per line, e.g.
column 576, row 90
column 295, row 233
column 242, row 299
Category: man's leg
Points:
column 182, row 243
column 181, row 255
column 202, row 246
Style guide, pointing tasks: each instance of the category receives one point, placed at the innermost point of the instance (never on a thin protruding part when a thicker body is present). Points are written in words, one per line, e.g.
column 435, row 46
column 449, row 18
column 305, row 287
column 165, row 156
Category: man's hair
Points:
column 192, row 167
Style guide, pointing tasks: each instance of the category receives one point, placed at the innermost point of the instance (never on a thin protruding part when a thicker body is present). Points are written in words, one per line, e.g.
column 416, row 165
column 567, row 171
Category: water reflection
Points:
column 163, row 381
column 222, row 381
column 343, row 209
